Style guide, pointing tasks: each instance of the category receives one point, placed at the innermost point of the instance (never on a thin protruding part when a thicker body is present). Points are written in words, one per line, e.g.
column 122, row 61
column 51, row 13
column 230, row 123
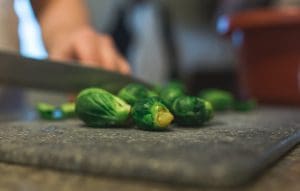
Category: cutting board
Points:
column 231, row 150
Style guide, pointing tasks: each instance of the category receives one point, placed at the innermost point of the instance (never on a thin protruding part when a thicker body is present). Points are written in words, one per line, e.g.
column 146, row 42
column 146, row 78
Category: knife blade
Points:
column 71, row 77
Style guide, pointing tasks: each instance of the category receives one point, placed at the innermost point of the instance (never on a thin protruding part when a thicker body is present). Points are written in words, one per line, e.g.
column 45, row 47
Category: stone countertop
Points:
column 284, row 175
column 245, row 140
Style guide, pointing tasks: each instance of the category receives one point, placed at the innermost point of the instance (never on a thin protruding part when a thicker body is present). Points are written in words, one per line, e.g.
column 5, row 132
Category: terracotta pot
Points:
column 267, row 43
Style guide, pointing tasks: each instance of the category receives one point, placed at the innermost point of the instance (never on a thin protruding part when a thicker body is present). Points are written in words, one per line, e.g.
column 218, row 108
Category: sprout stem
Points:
column 164, row 118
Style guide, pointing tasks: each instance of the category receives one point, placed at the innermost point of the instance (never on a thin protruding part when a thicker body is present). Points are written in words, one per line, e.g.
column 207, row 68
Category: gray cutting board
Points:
column 231, row 150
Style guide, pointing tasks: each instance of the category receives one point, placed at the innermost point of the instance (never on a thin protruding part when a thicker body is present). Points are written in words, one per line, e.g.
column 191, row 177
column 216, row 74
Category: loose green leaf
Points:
column 68, row 110
column 49, row 112
column 209, row 111
column 45, row 110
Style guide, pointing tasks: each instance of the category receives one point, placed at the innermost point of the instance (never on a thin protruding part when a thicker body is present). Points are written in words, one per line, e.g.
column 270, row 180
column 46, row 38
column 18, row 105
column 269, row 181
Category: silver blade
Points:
column 58, row 76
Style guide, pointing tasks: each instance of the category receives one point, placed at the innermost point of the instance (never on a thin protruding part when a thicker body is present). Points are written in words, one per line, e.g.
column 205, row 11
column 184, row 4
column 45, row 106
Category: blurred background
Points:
column 163, row 39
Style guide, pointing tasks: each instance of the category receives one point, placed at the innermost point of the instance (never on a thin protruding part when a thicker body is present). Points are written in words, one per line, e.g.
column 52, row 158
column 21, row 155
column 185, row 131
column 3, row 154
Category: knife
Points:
column 71, row 77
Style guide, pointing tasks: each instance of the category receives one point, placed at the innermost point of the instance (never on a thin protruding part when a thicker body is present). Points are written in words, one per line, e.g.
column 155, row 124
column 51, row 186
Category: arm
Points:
column 68, row 35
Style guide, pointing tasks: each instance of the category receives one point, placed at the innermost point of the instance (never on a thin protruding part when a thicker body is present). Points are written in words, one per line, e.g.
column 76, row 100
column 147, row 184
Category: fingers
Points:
column 123, row 66
column 107, row 55
column 115, row 61
column 63, row 53
column 92, row 49
column 85, row 47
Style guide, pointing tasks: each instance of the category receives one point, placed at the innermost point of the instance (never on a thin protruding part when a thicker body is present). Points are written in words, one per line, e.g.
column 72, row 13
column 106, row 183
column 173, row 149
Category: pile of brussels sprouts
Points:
column 147, row 109
column 222, row 100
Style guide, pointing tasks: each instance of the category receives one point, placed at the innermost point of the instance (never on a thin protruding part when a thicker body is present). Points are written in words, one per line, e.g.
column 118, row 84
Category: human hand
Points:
column 90, row 48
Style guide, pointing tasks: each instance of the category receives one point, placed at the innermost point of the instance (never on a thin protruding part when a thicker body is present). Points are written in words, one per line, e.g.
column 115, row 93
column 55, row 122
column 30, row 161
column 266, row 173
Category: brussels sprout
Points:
column 220, row 99
column 176, row 85
column 168, row 96
column 157, row 88
column 133, row 92
column 99, row 108
column 171, row 92
column 151, row 114
column 244, row 105
column 191, row 111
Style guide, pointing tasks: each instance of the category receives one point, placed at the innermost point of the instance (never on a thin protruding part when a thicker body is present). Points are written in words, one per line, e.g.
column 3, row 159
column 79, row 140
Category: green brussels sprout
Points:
column 133, row 92
column 51, row 112
column 151, row 114
column 171, row 92
column 176, row 85
column 244, row 105
column 157, row 88
column 99, row 108
column 191, row 111
column 221, row 100
column 168, row 96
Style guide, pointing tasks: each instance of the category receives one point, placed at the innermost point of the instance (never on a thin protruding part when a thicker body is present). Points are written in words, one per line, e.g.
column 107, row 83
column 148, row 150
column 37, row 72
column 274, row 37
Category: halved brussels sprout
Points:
column 191, row 111
column 221, row 100
column 133, row 92
column 99, row 108
column 151, row 114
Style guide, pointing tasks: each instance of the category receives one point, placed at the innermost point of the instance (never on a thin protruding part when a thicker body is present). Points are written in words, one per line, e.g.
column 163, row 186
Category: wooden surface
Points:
column 284, row 175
